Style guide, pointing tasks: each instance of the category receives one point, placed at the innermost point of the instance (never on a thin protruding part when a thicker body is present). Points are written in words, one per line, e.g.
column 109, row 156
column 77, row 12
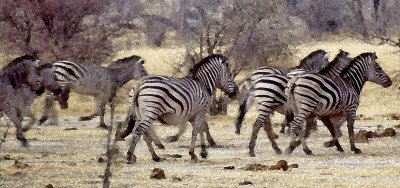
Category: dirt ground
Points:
column 70, row 158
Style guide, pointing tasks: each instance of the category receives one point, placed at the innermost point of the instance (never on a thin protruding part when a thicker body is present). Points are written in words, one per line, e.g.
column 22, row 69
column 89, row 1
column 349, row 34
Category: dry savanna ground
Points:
column 65, row 157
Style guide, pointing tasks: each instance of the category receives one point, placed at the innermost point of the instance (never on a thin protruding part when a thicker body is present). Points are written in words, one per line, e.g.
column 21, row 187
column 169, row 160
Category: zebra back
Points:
column 338, row 64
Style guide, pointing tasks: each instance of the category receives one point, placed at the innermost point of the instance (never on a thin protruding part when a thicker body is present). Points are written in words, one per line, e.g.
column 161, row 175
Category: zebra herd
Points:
column 314, row 88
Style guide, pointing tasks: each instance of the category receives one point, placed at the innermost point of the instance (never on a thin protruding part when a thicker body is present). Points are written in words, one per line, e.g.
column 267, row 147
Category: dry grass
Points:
column 69, row 158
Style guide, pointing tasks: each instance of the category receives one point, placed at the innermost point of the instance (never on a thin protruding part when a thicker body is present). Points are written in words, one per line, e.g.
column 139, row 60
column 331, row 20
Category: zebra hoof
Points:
column 160, row 146
column 289, row 150
column 308, row 151
column 24, row 141
column 278, row 151
column 158, row 159
column 357, row 151
column 252, row 154
column 43, row 119
column 328, row 144
column 340, row 149
column 131, row 158
column 85, row 118
column 212, row 143
column 104, row 126
column 172, row 138
column 204, row 154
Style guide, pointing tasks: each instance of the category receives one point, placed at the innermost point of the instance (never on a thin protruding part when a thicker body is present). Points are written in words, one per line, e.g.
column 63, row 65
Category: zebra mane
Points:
column 305, row 61
column 17, row 74
column 355, row 61
column 334, row 62
column 206, row 60
column 19, row 60
column 124, row 61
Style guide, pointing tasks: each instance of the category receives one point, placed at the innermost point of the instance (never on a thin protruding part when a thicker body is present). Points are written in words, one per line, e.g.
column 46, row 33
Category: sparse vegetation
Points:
column 171, row 35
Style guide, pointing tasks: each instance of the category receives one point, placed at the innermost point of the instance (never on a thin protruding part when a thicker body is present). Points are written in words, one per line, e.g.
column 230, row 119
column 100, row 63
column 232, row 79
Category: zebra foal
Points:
column 337, row 98
column 95, row 80
column 178, row 100
column 26, row 94
column 13, row 78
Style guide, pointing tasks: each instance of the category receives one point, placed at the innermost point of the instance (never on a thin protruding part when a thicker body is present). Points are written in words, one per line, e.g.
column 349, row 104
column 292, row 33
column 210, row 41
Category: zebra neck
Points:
column 208, row 83
column 356, row 77
column 121, row 75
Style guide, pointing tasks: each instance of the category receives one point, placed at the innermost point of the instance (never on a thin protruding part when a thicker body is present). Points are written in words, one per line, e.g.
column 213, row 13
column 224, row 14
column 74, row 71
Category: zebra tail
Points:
column 290, row 104
column 245, row 101
column 131, row 118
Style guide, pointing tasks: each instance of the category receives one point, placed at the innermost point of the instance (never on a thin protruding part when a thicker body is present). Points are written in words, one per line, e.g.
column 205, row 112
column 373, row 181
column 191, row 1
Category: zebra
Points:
column 313, row 62
column 12, row 78
column 120, row 136
column 27, row 95
column 337, row 98
column 95, row 80
column 268, row 93
column 178, row 100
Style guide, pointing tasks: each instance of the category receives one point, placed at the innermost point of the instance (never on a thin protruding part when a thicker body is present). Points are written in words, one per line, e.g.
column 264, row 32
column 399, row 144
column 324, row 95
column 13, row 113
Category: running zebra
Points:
column 95, row 80
column 313, row 63
column 178, row 100
column 26, row 94
column 268, row 93
column 12, row 78
column 337, row 98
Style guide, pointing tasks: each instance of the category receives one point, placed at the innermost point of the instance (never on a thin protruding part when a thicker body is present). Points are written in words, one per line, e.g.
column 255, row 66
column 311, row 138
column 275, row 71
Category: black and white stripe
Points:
column 319, row 95
column 269, row 95
column 313, row 63
column 178, row 100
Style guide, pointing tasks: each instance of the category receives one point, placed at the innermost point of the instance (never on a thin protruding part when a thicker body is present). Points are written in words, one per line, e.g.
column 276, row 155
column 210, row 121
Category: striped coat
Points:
column 313, row 94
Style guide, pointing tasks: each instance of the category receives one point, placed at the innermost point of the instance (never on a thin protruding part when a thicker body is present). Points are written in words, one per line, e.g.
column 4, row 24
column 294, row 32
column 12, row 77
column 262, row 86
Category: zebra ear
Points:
column 37, row 64
column 141, row 61
column 374, row 55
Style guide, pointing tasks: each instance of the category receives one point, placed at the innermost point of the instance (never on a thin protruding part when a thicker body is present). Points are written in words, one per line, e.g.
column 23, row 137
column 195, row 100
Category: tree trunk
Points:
column 360, row 18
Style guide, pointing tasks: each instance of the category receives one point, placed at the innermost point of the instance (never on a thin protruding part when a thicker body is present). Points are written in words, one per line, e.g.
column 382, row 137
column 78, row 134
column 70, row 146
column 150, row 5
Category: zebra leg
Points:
column 16, row 118
column 48, row 106
column 182, row 128
column 256, row 127
column 286, row 123
column 210, row 139
column 101, row 101
column 147, row 138
column 155, row 138
column 203, row 152
column 328, row 122
column 140, row 130
column 310, row 123
column 31, row 122
column 350, row 127
column 197, row 124
column 271, row 135
column 297, row 131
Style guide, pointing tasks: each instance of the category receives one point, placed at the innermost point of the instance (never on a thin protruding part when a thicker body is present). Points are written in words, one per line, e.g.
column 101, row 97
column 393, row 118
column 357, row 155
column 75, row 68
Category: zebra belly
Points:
column 172, row 119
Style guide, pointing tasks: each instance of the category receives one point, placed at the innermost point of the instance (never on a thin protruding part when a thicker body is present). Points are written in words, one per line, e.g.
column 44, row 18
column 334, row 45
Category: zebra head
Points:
column 315, row 61
column 376, row 74
column 139, row 70
column 30, row 70
column 226, row 82
column 135, row 64
column 213, row 71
